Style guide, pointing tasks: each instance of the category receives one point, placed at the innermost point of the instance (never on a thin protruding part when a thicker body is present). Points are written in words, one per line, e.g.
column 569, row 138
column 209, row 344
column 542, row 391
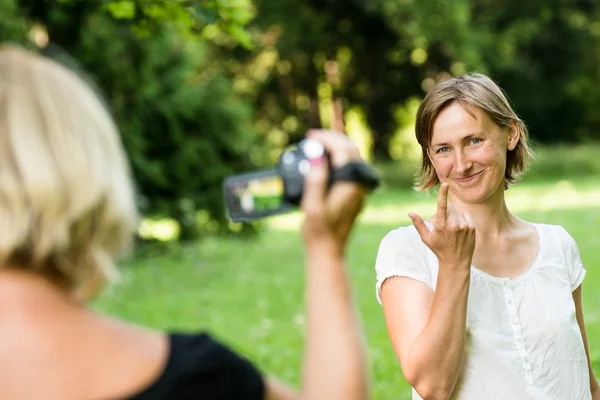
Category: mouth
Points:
column 468, row 178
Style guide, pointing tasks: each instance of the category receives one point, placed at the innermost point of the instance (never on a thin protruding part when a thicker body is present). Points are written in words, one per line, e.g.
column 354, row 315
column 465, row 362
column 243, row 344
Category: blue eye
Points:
column 443, row 150
column 475, row 141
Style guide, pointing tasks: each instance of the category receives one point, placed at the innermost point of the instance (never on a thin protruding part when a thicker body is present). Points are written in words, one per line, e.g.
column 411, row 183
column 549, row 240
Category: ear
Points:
column 514, row 134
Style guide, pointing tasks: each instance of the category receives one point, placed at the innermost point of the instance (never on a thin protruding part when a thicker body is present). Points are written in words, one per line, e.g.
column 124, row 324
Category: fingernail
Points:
column 315, row 162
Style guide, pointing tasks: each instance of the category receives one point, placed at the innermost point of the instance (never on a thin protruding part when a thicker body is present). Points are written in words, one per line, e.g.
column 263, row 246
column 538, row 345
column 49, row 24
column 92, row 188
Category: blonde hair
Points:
column 480, row 91
column 66, row 195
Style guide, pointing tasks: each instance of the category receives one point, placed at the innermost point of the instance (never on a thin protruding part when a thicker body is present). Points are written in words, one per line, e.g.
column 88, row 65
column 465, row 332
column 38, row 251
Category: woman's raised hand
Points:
column 452, row 238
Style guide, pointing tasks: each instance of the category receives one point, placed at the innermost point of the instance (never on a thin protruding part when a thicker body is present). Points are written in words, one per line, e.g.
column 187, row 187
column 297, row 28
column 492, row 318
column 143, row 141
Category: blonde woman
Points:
column 67, row 211
column 480, row 304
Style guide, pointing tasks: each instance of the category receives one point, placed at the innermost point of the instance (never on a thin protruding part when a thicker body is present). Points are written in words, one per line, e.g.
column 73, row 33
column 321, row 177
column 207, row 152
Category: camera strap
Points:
column 357, row 172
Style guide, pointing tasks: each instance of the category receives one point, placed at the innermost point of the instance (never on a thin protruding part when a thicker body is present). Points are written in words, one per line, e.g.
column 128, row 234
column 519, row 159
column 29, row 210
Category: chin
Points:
column 475, row 194
column 472, row 198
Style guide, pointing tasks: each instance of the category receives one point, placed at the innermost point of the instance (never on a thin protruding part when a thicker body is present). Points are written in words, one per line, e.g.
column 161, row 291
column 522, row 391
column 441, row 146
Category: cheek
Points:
column 500, row 158
column 490, row 155
column 442, row 166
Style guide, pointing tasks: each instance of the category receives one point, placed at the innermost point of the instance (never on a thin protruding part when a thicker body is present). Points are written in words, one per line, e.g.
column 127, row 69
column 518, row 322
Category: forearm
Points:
column 595, row 388
column 335, row 366
column 435, row 358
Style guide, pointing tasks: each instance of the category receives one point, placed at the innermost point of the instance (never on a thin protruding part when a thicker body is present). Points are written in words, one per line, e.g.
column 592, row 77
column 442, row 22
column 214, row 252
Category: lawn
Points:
column 249, row 292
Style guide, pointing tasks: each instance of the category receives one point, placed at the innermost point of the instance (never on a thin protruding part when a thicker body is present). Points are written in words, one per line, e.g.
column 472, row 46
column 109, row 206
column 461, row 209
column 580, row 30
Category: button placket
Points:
column 517, row 332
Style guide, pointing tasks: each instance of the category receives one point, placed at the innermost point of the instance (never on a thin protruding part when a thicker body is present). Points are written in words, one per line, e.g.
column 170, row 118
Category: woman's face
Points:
column 469, row 152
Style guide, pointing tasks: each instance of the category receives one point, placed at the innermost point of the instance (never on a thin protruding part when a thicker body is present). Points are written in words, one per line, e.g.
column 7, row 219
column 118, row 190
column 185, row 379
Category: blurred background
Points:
column 202, row 89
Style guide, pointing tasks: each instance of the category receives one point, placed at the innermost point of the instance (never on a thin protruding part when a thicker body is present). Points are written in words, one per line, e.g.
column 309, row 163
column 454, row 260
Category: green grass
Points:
column 249, row 292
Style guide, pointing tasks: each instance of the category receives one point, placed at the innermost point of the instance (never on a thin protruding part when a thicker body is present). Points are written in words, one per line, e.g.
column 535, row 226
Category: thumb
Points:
column 315, row 186
column 420, row 226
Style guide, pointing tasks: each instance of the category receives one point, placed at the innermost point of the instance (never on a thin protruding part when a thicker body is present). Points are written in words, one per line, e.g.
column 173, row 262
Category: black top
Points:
column 199, row 367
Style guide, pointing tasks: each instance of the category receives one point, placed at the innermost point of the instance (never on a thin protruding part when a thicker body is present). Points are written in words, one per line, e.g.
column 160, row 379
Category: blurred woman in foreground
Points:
column 67, row 210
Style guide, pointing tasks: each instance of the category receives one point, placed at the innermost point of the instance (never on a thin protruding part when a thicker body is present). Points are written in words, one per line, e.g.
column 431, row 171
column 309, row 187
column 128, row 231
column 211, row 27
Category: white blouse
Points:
column 523, row 340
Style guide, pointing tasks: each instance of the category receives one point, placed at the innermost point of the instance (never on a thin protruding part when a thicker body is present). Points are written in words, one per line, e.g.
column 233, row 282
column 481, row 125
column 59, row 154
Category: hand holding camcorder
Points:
column 259, row 194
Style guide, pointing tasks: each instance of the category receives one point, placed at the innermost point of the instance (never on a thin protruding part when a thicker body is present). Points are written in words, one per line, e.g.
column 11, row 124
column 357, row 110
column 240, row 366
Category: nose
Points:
column 463, row 163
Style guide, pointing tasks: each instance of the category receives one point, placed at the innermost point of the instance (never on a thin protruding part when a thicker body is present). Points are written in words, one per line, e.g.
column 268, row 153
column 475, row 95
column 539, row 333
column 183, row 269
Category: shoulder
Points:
column 403, row 253
column 557, row 233
column 402, row 242
column 553, row 228
column 560, row 243
column 201, row 364
column 400, row 238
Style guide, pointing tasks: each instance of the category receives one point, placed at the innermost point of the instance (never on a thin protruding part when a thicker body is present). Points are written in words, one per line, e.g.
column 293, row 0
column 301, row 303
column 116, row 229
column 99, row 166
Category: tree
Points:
column 182, row 124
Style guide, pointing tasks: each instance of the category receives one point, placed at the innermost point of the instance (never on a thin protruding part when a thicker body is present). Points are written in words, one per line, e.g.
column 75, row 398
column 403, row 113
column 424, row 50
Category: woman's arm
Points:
column 428, row 331
column 577, row 298
column 334, row 357
column 334, row 361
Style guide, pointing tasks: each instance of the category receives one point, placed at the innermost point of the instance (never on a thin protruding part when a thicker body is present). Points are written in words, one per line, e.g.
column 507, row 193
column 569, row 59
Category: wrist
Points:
column 325, row 267
column 324, row 243
column 324, row 250
column 458, row 270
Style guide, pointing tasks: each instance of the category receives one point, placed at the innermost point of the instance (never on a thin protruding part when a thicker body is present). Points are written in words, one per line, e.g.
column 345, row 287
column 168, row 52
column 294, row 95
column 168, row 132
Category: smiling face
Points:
column 488, row 110
column 468, row 150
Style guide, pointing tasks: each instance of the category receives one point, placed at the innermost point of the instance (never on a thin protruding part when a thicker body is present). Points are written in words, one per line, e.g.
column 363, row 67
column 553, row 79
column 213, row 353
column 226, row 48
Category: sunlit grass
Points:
column 250, row 292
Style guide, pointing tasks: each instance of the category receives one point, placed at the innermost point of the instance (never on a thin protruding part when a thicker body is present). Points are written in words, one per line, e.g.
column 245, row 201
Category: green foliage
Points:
column 182, row 124
column 544, row 54
column 121, row 9
column 13, row 27
column 189, row 18
column 194, row 75
column 335, row 54
column 184, row 127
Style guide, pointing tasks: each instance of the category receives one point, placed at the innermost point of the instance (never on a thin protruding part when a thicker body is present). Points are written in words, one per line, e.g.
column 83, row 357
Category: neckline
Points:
column 505, row 280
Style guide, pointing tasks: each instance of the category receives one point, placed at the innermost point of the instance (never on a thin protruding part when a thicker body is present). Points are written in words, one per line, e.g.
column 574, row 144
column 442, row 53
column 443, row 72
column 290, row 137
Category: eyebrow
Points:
column 466, row 137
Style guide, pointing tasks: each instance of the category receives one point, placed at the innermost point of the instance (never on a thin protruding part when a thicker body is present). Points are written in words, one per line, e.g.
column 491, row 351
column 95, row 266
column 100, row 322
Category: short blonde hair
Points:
column 480, row 91
column 66, row 195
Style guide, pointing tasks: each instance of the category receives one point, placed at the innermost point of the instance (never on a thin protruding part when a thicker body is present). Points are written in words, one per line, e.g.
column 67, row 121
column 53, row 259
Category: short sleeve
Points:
column 575, row 270
column 201, row 367
column 401, row 253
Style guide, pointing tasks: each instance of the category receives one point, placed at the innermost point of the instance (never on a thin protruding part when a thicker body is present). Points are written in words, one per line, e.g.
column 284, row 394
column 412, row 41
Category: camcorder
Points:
column 263, row 193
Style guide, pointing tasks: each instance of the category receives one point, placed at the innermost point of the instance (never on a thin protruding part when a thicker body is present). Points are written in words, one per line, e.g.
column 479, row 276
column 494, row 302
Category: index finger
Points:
column 442, row 205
